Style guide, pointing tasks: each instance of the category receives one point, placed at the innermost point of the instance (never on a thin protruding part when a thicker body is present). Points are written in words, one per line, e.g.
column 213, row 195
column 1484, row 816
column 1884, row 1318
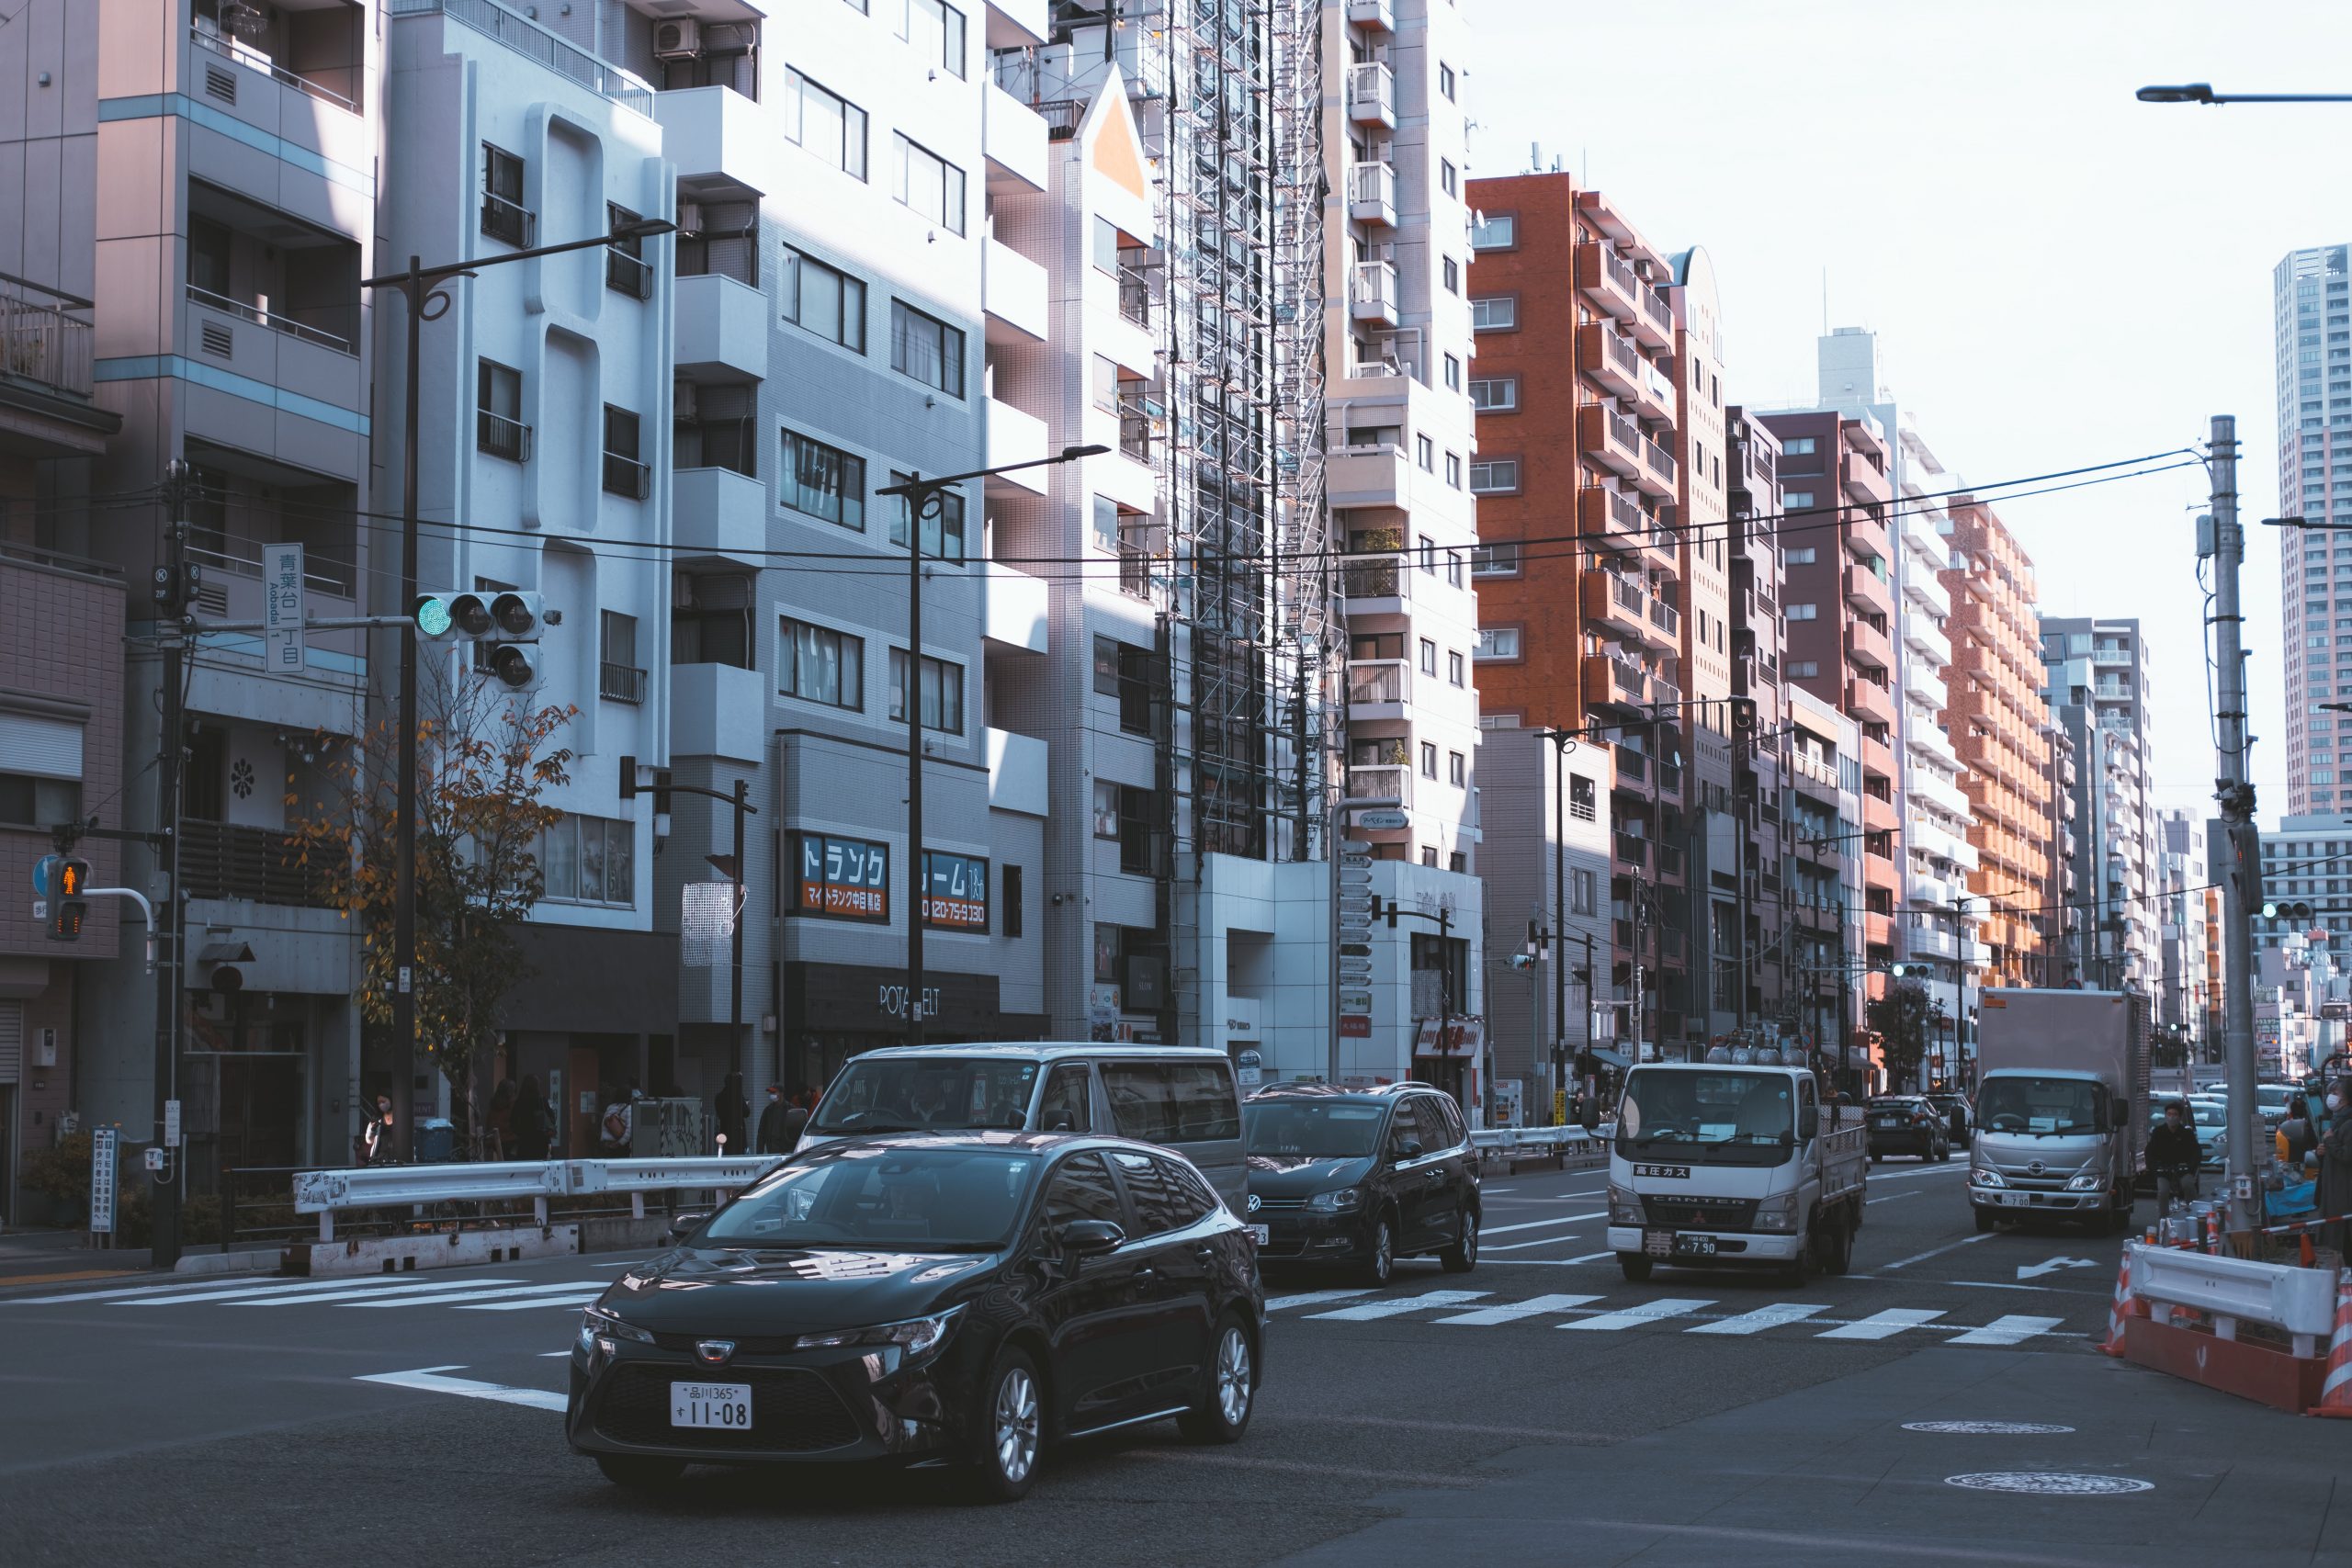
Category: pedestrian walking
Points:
column 770, row 1139
column 620, row 1126
column 531, row 1126
column 2174, row 1156
column 2336, row 1165
column 498, row 1121
column 374, row 1141
column 733, row 1112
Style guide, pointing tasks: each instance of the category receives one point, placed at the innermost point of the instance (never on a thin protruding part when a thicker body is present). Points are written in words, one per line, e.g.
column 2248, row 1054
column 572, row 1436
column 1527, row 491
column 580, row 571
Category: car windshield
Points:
column 901, row 1094
column 2201, row 1115
column 919, row 1200
column 2026, row 1104
column 1895, row 1102
column 1670, row 1107
column 1313, row 1129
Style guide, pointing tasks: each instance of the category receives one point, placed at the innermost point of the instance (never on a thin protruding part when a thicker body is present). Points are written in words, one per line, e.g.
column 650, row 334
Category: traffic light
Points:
column 508, row 619
column 69, row 904
column 2295, row 912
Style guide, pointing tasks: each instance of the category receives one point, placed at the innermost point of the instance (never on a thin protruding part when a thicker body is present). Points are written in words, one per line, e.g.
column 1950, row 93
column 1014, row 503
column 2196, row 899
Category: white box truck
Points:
column 2062, row 1105
column 1730, row 1167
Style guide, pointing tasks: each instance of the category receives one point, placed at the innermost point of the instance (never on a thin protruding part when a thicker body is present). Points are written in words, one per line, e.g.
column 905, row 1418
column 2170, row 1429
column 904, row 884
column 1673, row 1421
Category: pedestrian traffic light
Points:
column 68, row 902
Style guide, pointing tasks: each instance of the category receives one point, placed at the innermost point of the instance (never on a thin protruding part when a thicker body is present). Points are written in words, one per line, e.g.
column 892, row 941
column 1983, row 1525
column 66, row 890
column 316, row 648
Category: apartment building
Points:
column 1764, row 949
column 2306, row 860
column 1823, row 876
column 1579, row 571
column 2095, row 682
column 2185, row 1001
column 1839, row 600
column 2311, row 362
column 2058, row 896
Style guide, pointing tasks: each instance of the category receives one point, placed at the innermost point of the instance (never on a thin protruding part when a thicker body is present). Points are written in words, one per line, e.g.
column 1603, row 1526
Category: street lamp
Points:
column 926, row 499
column 421, row 287
column 2202, row 93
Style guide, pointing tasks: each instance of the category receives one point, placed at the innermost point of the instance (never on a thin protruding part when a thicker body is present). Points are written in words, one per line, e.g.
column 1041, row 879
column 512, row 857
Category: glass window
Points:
column 1493, row 476
column 926, row 349
column 825, row 123
column 1495, row 394
column 1583, row 796
column 1495, row 231
column 942, row 693
column 820, row 664
column 931, row 184
column 1313, row 1128
column 588, row 859
column 1495, row 313
column 1456, row 669
column 1453, row 374
column 1498, row 642
column 823, row 299
column 951, row 1200
column 1141, row 1105
column 936, row 30
column 504, row 215
column 29, row 802
column 1081, row 1187
column 1428, row 657
column 824, row 481
column 1106, row 246
column 901, row 1093
column 1160, row 1205
column 1797, row 500
column 1454, row 470
column 1451, row 271
column 1498, row 559
column 1068, row 1105
column 943, row 536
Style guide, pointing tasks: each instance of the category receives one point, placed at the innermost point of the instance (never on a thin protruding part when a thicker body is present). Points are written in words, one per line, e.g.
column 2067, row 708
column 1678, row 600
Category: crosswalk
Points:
column 368, row 1291
column 1686, row 1315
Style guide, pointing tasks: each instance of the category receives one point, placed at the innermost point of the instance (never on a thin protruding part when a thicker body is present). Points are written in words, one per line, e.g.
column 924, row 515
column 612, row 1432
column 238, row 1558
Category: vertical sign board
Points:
column 281, row 607
column 103, row 1142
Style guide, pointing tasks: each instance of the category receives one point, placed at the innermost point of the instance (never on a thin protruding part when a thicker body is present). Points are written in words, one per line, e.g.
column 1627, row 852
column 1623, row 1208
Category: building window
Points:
column 1445, row 81
column 1457, row 769
column 817, row 664
column 1451, row 271
column 1456, row 669
column 1498, row 559
column 1495, row 231
column 1429, row 854
column 620, row 678
column 1803, row 612
column 625, row 476
column 1429, row 760
column 499, row 429
column 1495, row 394
column 625, row 271
column 1428, row 657
column 825, row 123
column 1106, row 246
column 1498, row 642
column 710, row 619
column 1013, row 921
column 1798, row 446
column 824, row 300
column 1124, row 670
column 1454, row 470
column 1495, row 314
column 504, row 215
column 931, row 184
column 926, row 349
column 1425, row 454
column 1799, row 554
column 1494, row 476
column 943, row 536
column 29, row 802
column 936, row 30
column 1804, row 669
column 1453, row 569
column 1446, row 179
column 1796, row 500
column 824, row 481
column 1583, row 796
column 1580, row 879
column 1453, row 374
column 942, row 693
column 588, row 859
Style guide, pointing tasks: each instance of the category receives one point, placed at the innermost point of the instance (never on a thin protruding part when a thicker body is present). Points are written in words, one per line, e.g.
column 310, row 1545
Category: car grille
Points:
column 1695, row 1213
column 1264, row 1202
column 792, row 1411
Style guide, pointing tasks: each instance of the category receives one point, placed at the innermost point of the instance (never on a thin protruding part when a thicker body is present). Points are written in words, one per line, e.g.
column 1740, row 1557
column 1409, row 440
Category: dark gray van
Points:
column 1181, row 1098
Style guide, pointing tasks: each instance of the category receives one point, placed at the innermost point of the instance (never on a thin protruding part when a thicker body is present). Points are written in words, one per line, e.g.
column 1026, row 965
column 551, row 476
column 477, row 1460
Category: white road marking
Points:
column 1891, row 1197
column 552, row 1355
column 310, row 1290
column 1396, row 1306
column 177, row 1287
column 1938, row 1252
column 1531, row 1307
column 1523, row 1245
column 2052, row 1266
column 1647, row 1312
column 1883, row 1324
column 385, row 1300
column 578, row 1299
column 1536, row 1225
column 429, row 1381
column 2007, row 1330
column 1312, row 1298
column 1541, row 1262
column 1762, row 1318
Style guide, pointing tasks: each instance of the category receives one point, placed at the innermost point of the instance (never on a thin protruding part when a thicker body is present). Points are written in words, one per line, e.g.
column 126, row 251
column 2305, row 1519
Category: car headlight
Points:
column 1777, row 1213
column 918, row 1337
column 1339, row 1201
column 2088, row 1181
column 597, row 1323
column 1624, row 1206
column 1984, row 1176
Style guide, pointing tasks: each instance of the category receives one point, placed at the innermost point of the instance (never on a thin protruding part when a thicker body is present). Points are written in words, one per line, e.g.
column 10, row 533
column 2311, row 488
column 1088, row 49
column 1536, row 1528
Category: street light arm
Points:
column 925, row 486
column 644, row 228
column 2202, row 93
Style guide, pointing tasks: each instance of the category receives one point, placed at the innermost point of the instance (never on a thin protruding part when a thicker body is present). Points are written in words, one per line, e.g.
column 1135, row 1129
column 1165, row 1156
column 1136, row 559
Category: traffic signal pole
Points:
column 405, row 829
column 172, row 619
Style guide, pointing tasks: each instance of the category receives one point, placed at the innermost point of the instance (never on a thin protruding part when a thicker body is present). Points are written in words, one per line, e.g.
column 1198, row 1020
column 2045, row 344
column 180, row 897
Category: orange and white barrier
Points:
column 2336, row 1381
column 2124, row 1306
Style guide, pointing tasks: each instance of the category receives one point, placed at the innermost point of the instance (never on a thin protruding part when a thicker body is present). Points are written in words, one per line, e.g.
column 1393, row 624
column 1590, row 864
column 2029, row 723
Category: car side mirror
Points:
column 1089, row 1238
column 683, row 1226
column 1808, row 1121
column 1409, row 1149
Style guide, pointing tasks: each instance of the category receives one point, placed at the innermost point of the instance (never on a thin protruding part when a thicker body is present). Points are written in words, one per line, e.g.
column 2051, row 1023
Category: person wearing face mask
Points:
column 2336, row 1164
column 771, row 1139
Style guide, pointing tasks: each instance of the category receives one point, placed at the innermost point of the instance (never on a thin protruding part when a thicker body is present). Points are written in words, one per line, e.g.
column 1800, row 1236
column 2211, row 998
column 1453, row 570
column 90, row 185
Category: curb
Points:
column 227, row 1262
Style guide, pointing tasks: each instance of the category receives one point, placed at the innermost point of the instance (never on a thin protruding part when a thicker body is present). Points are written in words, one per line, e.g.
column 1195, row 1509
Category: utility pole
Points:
column 2224, row 541
column 174, row 605
column 404, row 829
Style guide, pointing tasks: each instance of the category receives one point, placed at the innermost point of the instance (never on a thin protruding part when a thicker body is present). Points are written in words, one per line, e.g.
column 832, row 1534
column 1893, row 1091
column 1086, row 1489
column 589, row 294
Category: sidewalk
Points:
column 64, row 1257
column 2140, row 1468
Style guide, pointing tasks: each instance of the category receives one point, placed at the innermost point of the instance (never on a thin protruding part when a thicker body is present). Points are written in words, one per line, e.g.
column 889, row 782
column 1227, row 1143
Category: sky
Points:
column 2058, row 275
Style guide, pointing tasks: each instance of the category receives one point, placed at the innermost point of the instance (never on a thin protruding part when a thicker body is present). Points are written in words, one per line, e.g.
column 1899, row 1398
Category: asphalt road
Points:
column 1538, row 1409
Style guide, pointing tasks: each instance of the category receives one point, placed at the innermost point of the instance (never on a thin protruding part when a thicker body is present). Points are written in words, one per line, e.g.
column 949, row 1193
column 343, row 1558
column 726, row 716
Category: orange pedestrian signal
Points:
column 68, row 907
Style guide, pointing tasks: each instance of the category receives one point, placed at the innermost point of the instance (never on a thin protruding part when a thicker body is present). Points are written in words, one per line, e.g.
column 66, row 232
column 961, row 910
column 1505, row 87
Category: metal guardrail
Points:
column 2298, row 1302
column 1568, row 1143
column 329, row 1192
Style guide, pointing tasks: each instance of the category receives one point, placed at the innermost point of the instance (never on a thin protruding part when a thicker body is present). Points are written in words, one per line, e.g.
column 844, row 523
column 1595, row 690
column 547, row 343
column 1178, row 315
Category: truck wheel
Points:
column 1636, row 1267
column 1985, row 1220
column 1838, row 1246
column 1876, row 1157
column 1799, row 1269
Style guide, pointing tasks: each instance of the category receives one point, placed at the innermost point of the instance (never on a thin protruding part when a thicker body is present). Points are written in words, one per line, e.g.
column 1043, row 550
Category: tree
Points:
column 484, row 759
column 1900, row 1018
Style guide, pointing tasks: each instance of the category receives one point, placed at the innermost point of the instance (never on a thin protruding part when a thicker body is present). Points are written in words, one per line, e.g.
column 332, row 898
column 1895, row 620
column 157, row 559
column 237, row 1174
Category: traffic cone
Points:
column 2124, row 1306
column 2336, row 1383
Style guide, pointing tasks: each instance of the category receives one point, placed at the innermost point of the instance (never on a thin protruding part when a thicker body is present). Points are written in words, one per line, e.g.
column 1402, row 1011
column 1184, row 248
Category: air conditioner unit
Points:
column 690, row 218
column 684, row 408
column 680, row 40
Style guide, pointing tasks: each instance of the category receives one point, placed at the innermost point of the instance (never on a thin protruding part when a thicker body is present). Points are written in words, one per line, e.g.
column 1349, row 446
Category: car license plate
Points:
column 1885, row 1121
column 1694, row 1245
column 1259, row 1234
column 2014, row 1200
column 724, row 1405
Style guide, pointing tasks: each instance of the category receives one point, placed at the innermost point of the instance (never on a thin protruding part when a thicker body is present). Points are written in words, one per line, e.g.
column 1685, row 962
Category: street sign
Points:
column 1353, row 862
column 281, row 607
column 1355, row 876
column 1355, row 1001
column 102, row 1162
column 1356, row 847
column 1356, row 950
column 1383, row 821
column 1355, row 1026
column 45, row 873
column 171, row 1123
column 1356, row 969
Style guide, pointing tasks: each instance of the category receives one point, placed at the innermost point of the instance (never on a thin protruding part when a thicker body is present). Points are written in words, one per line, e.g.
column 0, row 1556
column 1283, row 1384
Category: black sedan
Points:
column 920, row 1298
column 1907, row 1125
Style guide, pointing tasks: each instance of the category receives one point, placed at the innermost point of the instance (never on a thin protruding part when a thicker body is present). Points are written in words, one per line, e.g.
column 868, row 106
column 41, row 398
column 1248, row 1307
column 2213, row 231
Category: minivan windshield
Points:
column 954, row 1200
column 1666, row 1107
column 2024, row 1103
column 901, row 1094
column 1311, row 1129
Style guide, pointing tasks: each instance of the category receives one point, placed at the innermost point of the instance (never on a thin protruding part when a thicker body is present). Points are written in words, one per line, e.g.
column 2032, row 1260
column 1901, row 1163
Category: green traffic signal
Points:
column 432, row 614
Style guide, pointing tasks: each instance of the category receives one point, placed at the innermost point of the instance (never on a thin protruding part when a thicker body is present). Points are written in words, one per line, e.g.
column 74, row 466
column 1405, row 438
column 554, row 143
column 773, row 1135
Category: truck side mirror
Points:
column 1808, row 1122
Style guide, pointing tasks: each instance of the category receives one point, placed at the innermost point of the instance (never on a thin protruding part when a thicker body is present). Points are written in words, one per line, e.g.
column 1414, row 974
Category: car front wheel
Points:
column 1462, row 1256
column 1229, row 1387
column 1380, row 1252
column 1011, row 1429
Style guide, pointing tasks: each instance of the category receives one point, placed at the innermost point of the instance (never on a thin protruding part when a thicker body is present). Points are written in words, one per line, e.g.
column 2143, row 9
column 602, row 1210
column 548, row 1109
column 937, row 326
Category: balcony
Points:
column 1880, row 816
column 1868, row 645
column 1655, row 396
column 1666, row 619
column 1378, row 689
column 718, row 710
column 500, row 436
column 1014, row 608
column 1928, row 637
column 1657, row 475
column 1609, row 357
column 1614, row 603
column 718, row 514
column 1612, row 438
column 1928, row 593
column 536, row 44
column 1013, row 141
column 1864, row 533
column 1632, row 853
column 1608, row 280
column 1376, row 585
column 338, row 85
column 1371, row 193
column 1381, row 781
column 1654, row 325
column 716, row 137
column 1628, row 681
column 1372, row 94
column 626, row 477
column 1868, row 701
column 41, row 344
column 261, row 317
column 1865, row 590
column 1371, row 291
column 1613, row 518
column 1373, row 474
column 254, row 865
column 722, row 330
column 1013, row 295
column 620, row 682
column 1017, row 772
column 1373, row 16
column 1014, row 437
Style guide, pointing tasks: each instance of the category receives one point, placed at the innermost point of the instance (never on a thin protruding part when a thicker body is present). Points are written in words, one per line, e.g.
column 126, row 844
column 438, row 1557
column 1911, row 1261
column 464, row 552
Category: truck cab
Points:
column 1738, row 1165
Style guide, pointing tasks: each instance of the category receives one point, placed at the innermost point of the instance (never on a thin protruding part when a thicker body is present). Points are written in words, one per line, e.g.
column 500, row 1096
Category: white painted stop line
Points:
column 1397, row 1305
column 1883, row 1324
column 1312, row 1298
column 2007, row 1330
column 1761, row 1318
column 1634, row 1316
column 455, row 1293
column 1531, row 1307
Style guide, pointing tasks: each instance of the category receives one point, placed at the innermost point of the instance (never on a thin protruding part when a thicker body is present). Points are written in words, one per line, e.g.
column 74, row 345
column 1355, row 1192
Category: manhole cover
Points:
column 1987, row 1428
column 2050, row 1482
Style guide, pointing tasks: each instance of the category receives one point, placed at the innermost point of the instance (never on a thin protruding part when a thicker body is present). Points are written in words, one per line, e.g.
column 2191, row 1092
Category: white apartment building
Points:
column 2307, row 860
column 2188, row 997
column 2311, row 360
column 2096, row 682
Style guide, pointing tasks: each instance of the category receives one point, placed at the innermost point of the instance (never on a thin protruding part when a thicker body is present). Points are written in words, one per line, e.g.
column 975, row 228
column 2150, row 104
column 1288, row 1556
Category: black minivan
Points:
column 1361, row 1178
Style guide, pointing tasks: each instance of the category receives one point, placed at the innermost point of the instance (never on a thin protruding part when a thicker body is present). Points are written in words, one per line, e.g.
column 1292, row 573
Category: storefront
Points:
column 1450, row 1056
column 833, row 1011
